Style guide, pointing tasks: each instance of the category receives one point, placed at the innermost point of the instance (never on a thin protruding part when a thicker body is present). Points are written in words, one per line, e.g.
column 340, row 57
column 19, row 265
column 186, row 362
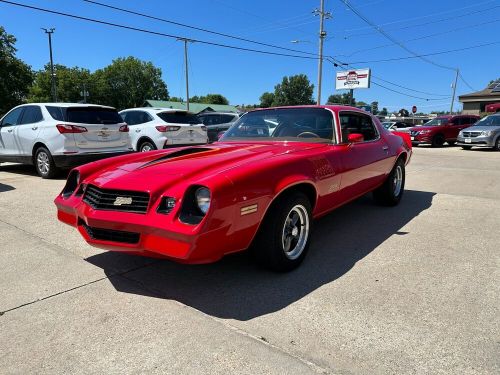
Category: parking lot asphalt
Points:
column 412, row 289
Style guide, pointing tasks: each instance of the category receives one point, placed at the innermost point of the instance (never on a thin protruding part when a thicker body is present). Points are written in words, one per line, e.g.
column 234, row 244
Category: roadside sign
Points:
column 353, row 79
column 414, row 109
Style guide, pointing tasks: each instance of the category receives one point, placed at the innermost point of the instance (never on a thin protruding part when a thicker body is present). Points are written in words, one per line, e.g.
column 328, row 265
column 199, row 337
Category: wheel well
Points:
column 306, row 188
column 142, row 140
column 403, row 156
column 36, row 146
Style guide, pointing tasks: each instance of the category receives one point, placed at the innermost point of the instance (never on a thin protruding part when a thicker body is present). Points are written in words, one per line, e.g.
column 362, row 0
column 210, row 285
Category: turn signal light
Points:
column 167, row 128
column 65, row 128
column 124, row 128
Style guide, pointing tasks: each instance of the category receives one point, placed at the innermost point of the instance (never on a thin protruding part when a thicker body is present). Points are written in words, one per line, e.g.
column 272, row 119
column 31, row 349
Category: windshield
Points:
column 179, row 118
column 387, row 124
column 489, row 121
column 283, row 124
column 437, row 122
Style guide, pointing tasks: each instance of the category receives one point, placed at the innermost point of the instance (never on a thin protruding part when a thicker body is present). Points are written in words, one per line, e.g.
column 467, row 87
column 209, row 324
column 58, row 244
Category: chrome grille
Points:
column 471, row 134
column 413, row 133
column 116, row 200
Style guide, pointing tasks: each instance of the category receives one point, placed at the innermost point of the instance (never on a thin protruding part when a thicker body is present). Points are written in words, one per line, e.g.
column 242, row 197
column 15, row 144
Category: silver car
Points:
column 484, row 133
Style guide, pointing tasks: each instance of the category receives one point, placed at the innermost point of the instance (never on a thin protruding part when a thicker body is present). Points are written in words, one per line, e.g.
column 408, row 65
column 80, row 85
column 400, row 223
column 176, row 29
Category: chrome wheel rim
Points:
column 295, row 232
column 42, row 161
column 147, row 147
column 398, row 180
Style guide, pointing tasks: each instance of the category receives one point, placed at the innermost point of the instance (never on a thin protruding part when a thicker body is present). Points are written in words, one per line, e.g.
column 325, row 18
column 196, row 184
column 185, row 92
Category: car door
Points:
column 365, row 163
column 28, row 129
column 8, row 127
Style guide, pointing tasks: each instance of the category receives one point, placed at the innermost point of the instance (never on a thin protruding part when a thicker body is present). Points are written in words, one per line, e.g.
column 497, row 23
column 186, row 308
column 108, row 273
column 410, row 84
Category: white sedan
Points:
column 157, row 128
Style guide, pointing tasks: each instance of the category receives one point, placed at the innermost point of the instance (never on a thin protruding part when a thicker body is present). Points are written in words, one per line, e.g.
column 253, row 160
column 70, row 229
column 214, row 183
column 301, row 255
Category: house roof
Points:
column 193, row 107
column 492, row 92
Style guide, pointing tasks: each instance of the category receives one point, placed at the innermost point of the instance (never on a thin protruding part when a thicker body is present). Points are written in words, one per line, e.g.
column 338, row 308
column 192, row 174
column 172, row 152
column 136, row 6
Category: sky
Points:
column 423, row 27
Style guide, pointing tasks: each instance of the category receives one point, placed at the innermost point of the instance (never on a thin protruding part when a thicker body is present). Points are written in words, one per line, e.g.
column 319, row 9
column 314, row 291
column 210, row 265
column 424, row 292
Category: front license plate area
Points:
column 468, row 140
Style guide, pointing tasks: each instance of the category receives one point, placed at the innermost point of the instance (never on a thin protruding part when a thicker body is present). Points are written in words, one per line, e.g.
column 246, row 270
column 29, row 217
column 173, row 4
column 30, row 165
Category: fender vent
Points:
column 176, row 154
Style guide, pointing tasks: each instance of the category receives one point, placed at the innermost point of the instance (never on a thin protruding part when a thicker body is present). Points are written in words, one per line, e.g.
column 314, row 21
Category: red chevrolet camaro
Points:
column 258, row 188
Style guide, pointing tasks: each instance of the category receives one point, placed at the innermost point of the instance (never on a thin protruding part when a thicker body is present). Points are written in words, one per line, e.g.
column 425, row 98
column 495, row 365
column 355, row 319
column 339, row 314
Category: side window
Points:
column 131, row 118
column 13, row 117
column 31, row 115
column 57, row 113
column 226, row 118
column 357, row 123
column 213, row 120
column 202, row 119
column 143, row 117
column 123, row 115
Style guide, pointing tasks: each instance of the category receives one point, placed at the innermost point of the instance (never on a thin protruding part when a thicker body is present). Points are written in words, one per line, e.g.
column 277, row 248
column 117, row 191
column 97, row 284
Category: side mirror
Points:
column 219, row 136
column 355, row 138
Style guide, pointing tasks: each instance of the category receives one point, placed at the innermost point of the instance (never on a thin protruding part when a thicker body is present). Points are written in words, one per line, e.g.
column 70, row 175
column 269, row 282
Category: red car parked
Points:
column 260, row 187
column 441, row 129
column 493, row 108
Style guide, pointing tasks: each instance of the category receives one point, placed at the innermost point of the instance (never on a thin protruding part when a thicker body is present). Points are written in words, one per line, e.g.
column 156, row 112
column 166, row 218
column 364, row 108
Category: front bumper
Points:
column 481, row 141
column 421, row 139
column 73, row 160
column 151, row 234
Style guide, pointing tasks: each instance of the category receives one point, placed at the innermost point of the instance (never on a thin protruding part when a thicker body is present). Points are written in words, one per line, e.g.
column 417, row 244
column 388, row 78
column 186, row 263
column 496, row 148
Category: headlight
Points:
column 202, row 196
column 460, row 134
column 486, row 133
column 71, row 184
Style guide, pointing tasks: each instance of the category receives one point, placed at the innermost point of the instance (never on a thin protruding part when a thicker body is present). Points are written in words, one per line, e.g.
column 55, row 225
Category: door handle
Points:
column 138, row 130
column 34, row 128
column 385, row 148
column 10, row 130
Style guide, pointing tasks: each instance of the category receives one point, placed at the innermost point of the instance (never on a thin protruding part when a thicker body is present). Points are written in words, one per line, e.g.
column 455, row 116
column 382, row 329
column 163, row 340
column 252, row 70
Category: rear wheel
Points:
column 390, row 193
column 147, row 146
column 438, row 140
column 44, row 163
column 284, row 236
column 466, row 147
column 497, row 144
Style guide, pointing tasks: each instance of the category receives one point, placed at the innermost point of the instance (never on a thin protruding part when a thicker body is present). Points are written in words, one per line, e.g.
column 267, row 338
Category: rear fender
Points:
column 406, row 138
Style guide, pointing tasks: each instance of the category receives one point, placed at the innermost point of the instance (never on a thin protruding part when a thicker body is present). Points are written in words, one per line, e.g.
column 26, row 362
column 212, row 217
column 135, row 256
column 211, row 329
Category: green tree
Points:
column 344, row 99
column 361, row 103
column 374, row 106
column 69, row 84
column 403, row 112
column 383, row 112
column 494, row 80
column 128, row 82
column 213, row 99
column 176, row 99
column 293, row 90
column 266, row 100
column 15, row 76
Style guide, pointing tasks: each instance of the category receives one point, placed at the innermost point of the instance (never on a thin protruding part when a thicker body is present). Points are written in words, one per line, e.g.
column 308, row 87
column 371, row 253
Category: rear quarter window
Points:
column 179, row 118
column 93, row 115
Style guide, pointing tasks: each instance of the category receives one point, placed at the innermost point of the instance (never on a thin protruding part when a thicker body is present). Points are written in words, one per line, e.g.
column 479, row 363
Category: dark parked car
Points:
column 217, row 122
column 441, row 129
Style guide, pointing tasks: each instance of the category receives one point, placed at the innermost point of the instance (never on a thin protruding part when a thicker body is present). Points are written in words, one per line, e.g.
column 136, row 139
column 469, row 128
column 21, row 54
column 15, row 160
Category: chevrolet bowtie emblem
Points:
column 122, row 200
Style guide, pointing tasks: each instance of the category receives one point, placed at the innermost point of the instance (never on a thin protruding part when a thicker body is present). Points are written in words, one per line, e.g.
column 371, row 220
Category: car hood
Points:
column 160, row 169
column 481, row 128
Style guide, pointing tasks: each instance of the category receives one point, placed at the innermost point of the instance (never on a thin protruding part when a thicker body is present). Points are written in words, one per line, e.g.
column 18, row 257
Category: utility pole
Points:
column 322, row 34
column 454, row 86
column 49, row 32
column 185, row 40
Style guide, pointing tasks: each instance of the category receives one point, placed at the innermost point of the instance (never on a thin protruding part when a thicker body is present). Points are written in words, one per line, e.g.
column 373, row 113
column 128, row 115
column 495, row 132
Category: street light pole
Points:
column 322, row 34
column 185, row 40
column 454, row 90
column 49, row 32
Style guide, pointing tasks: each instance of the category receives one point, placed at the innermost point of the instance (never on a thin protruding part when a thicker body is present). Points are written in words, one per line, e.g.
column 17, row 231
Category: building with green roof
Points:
column 193, row 107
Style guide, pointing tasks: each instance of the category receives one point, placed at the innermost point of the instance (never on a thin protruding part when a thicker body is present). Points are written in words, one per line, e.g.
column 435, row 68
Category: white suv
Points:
column 61, row 135
column 157, row 128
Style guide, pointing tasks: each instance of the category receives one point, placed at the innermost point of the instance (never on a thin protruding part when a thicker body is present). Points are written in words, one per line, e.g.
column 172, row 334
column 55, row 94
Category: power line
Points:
column 427, row 23
column 194, row 27
column 428, row 54
column 121, row 26
column 466, row 83
column 387, row 36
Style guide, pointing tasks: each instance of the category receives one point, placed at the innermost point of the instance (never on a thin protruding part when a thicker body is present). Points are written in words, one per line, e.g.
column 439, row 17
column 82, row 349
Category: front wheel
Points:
column 497, row 144
column 391, row 191
column 284, row 236
column 44, row 163
column 438, row 140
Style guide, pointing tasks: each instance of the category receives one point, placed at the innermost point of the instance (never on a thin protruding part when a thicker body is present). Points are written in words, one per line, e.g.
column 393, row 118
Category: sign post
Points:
column 414, row 110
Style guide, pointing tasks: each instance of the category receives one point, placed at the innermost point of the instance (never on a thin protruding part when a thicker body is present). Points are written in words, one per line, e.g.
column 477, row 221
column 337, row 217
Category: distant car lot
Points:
column 413, row 289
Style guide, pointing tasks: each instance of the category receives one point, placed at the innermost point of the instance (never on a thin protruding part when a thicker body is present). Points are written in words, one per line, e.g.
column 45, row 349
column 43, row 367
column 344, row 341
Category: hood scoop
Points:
column 177, row 154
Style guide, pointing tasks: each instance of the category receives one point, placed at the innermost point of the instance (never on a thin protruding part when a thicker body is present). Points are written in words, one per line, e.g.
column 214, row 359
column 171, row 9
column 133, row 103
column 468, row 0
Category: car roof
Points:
column 154, row 110
column 217, row 113
column 330, row 107
column 65, row 105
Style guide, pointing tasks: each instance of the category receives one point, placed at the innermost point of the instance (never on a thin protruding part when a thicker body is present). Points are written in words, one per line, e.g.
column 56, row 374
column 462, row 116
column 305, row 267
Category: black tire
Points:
column 268, row 247
column 497, row 144
column 466, row 147
column 451, row 143
column 146, row 146
column 44, row 163
column 438, row 140
column 388, row 194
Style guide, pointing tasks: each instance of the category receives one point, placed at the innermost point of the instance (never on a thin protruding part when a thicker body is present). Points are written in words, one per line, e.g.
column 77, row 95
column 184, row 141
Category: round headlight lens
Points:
column 486, row 133
column 202, row 196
